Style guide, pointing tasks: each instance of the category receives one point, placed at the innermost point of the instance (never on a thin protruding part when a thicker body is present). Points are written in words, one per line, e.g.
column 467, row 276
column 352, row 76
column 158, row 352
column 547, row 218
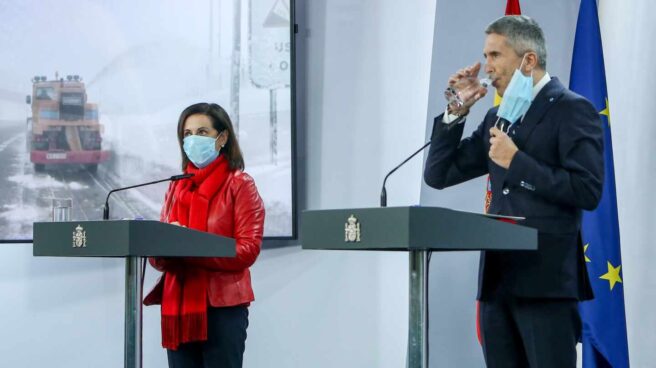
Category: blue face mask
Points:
column 201, row 151
column 517, row 97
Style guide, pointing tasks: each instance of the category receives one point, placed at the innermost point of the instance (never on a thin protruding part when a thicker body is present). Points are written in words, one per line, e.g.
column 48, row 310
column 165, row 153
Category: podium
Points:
column 416, row 230
column 132, row 240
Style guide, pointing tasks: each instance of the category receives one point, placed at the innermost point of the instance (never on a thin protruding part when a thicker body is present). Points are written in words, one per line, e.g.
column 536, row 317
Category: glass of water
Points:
column 464, row 90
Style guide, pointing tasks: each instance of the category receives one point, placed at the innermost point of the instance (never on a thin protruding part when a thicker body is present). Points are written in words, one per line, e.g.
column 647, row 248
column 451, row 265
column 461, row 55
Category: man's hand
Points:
column 502, row 148
column 465, row 80
column 176, row 224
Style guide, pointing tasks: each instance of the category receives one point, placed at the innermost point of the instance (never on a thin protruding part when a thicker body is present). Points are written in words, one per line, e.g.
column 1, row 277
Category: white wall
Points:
column 628, row 31
column 365, row 89
column 59, row 312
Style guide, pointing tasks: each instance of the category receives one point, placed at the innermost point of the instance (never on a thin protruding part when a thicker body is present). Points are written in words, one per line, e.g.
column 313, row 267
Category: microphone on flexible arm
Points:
column 383, row 192
column 172, row 178
column 419, row 259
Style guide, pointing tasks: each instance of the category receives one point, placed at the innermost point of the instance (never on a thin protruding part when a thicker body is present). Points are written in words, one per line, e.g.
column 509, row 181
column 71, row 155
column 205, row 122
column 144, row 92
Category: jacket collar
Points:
column 541, row 83
column 544, row 100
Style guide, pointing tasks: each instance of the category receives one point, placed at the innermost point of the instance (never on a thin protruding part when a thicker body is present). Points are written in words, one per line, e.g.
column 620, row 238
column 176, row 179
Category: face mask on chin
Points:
column 517, row 97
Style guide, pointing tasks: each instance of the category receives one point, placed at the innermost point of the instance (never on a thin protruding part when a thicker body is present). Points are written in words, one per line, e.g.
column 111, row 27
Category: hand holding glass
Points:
column 465, row 88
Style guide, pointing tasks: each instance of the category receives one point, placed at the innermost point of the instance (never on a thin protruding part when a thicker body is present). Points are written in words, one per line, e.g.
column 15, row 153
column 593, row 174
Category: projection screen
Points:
column 90, row 94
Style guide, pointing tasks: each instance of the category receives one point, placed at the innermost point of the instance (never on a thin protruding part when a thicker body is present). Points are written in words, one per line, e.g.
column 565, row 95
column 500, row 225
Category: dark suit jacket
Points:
column 557, row 172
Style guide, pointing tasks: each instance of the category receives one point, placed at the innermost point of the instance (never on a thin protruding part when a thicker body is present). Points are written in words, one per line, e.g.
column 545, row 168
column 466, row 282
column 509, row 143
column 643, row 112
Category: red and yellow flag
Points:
column 512, row 8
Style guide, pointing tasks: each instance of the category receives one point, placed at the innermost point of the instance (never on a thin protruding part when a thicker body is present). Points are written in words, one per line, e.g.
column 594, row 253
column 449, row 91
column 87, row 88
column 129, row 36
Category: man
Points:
column 546, row 165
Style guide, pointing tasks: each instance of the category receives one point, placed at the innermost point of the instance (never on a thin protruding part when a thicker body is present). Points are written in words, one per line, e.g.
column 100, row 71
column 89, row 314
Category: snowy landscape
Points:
column 142, row 72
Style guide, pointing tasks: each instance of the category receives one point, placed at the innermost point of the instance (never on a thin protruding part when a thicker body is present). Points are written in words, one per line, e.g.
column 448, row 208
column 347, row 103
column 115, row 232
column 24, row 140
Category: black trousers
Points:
column 225, row 345
column 536, row 333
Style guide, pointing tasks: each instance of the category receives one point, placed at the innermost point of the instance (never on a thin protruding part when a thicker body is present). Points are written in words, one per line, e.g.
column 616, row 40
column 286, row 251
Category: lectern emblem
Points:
column 79, row 237
column 352, row 230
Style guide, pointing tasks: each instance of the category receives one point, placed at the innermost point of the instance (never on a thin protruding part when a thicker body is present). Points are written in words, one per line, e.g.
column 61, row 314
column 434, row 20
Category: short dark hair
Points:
column 523, row 35
column 220, row 121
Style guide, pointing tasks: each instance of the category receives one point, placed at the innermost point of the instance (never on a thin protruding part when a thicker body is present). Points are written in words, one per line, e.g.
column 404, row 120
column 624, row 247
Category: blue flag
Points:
column 604, row 323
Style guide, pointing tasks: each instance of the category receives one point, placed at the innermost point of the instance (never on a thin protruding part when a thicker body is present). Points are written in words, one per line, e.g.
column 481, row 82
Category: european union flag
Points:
column 604, row 323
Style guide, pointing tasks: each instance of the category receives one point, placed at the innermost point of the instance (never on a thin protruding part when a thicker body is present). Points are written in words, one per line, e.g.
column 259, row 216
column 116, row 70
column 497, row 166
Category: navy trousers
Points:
column 225, row 345
column 536, row 333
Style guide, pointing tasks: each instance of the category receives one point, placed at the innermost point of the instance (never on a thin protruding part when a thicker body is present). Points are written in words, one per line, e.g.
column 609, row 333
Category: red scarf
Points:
column 184, row 300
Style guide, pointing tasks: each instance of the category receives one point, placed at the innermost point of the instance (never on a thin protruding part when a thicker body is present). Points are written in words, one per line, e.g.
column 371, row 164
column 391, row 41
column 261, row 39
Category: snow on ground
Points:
column 141, row 83
column 20, row 214
column 77, row 186
column 41, row 181
column 32, row 181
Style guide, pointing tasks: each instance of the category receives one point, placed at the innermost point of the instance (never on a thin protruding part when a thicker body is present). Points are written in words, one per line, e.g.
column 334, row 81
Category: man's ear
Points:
column 531, row 61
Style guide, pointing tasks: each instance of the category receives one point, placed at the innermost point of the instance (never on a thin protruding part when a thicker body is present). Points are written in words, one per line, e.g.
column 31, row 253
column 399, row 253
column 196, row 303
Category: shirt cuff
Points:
column 450, row 118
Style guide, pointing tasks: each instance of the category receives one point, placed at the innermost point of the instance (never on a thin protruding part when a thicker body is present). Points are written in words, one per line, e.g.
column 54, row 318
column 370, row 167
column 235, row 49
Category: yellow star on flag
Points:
column 585, row 249
column 606, row 111
column 613, row 275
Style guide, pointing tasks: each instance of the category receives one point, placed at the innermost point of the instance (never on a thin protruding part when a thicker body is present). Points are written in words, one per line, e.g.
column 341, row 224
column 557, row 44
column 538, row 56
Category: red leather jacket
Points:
column 237, row 211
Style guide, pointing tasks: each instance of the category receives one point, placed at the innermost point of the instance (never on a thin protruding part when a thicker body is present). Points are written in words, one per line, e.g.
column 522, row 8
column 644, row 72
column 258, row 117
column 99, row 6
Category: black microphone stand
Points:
column 135, row 267
column 418, row 289
column 383, row 192
column 172, row 178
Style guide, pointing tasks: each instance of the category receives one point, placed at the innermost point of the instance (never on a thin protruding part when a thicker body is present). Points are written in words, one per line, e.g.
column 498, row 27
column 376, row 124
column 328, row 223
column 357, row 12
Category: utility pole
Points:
column 235, row 69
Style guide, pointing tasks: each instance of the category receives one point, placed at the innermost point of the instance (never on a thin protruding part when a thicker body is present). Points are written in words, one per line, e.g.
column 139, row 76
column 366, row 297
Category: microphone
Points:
column 172, row 178
column 383, row 192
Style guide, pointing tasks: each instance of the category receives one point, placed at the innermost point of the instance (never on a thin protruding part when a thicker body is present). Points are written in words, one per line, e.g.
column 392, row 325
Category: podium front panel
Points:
column 411, row 228
column 123, row 238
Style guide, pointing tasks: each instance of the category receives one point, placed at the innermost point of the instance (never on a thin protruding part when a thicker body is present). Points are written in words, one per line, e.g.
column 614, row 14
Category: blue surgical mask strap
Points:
column 517, row 97
column 522, row 64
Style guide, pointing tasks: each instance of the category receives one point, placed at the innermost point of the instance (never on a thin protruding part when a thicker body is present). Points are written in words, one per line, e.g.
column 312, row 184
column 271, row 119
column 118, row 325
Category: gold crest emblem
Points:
column 352, row 230
column 79, row 237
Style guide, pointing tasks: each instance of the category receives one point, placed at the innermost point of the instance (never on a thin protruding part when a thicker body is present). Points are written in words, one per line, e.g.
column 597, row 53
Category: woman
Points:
column 205, row 300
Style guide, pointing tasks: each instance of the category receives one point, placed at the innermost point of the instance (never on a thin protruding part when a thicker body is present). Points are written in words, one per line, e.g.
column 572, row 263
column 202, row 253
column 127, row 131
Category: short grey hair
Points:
column 523, row 35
